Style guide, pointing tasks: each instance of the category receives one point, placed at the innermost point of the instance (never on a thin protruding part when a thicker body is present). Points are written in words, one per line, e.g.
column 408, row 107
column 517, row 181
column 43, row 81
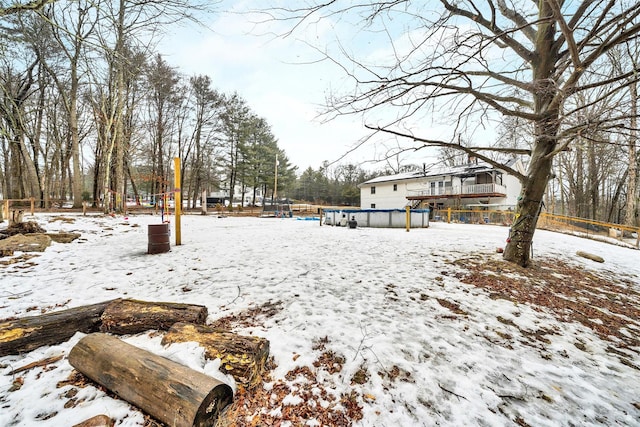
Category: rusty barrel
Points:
column 159, row 237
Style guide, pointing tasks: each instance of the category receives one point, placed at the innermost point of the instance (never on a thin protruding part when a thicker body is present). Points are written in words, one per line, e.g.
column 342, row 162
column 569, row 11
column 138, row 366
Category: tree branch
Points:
column 469, row 150
column 21, row 7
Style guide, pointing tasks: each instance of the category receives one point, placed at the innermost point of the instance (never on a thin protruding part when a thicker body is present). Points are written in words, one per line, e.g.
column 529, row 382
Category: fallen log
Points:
column 133, row 316
column 26, row 242
column 63, row 237
column 243, row 357
column 28, row 333
column 172, row 393
column 592, row 257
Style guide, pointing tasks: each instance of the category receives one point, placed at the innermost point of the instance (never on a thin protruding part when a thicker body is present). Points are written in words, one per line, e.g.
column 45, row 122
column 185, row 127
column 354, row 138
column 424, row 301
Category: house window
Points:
column 373, row 190
column 373, row 205
column 395, row 187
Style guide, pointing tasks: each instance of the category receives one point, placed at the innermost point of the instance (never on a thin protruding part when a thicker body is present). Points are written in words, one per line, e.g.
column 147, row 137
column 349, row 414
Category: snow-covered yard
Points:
column 378, row 325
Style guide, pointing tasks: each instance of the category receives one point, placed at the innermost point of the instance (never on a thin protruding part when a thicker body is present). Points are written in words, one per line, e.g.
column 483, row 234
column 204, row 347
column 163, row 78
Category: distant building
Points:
column 473, row 185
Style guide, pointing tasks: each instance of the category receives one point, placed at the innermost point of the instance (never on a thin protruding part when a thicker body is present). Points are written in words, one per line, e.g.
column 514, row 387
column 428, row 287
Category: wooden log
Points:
column 592, row 257
column 28, row 333
column 243, row 357
column 133, row 316
column 172, row 393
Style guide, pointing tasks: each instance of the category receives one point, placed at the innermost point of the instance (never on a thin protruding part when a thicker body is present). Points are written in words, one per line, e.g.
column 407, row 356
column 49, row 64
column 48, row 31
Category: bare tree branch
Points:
column 475, row 151
column 22, row 7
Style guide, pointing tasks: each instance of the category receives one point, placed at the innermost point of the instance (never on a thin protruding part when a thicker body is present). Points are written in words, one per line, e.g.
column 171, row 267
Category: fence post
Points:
column 203, row 203
column 408, row 218
column 33, row 206
column 449, row 215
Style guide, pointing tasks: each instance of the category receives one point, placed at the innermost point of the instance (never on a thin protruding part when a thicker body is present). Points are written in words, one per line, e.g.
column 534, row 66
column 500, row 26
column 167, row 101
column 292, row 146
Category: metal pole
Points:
column 275, row 183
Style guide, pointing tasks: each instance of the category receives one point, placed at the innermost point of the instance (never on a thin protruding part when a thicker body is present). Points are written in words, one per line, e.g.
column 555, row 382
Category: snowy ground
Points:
column 424, row 348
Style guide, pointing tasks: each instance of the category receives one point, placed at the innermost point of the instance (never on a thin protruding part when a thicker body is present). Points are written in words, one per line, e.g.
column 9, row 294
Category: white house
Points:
column 472, row 185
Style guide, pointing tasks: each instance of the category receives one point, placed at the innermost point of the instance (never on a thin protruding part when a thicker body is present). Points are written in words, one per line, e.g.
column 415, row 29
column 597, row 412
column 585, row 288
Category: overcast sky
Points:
column 282, row 81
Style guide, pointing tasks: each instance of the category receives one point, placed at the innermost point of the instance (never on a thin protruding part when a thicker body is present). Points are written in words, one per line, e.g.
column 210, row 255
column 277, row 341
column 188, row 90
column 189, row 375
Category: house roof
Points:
column 469, row 169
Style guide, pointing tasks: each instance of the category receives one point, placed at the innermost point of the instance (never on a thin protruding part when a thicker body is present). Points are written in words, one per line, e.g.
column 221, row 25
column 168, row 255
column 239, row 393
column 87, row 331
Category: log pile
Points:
column 174, row 394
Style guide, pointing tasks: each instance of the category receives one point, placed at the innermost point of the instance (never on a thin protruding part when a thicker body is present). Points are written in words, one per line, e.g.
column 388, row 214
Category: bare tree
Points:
column 17, row 7
column 163, row 101
column 479, row 61
column 632, row 186
column 71, row 25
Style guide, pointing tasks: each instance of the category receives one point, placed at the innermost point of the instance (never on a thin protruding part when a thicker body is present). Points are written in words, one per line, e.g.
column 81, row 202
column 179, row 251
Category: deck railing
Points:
column 460, row 190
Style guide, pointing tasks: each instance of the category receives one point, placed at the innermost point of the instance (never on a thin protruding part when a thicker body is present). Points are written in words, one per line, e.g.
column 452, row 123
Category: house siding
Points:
column 447, row 188
column 384, row 197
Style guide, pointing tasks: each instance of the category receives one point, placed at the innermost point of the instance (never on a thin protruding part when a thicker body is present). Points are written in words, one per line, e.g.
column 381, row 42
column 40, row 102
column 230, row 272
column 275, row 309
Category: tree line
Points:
column 89, row 112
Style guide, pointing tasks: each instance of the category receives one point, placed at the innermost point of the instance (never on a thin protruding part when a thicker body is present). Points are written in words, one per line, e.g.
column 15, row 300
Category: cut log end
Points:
column 212, row 405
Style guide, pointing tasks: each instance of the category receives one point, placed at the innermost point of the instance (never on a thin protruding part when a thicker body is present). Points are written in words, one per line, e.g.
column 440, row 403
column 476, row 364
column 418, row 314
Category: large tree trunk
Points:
column 518, row 248
column 545, row 88
column 243, row 357
column 77, row 178
column 26, row 334
column 172, row 393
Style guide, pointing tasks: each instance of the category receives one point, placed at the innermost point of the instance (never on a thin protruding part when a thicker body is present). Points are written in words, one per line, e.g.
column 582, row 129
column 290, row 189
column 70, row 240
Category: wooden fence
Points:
column 546, row 221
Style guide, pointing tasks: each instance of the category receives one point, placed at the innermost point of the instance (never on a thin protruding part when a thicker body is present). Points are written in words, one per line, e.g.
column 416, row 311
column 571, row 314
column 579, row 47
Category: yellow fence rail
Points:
column 562, row 223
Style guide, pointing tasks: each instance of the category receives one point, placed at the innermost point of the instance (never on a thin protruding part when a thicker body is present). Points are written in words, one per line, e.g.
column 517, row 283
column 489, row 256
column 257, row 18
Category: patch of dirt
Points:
column 396, row 373
column 610, row 306
column 28, row 227
column 251, row 317
column 63, row 219
column 64, row 237
column 293, row 400
column 26, row 243
column 330, row 361
column 452, row 306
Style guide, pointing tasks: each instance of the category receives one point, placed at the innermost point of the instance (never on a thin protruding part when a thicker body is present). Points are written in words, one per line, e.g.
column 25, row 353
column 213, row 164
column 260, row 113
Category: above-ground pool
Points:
column 380, row 218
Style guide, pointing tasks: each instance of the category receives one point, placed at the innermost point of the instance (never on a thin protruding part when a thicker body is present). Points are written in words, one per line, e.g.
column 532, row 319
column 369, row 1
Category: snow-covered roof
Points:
column 439, row 170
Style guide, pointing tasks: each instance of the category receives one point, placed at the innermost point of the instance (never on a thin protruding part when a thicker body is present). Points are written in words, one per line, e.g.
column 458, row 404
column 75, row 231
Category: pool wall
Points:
column 378, row 218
